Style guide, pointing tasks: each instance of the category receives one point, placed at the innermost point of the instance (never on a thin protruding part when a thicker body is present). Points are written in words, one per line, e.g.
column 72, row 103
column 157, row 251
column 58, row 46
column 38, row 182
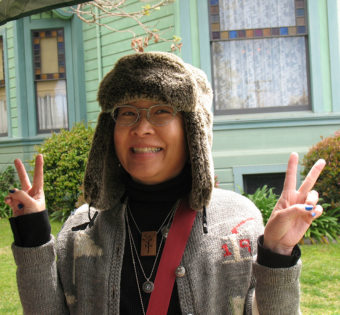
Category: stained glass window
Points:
column 259, row 55
column 3, row 106
column 50, row 79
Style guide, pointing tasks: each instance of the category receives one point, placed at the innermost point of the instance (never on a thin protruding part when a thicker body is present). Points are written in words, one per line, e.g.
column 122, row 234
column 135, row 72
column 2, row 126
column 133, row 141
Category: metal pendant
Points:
column 165, row 231
column 148, row 286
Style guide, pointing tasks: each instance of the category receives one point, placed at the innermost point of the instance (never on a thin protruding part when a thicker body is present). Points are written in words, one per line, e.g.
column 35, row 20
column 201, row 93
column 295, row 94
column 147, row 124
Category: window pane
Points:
column 52, row 104
column 49, row 55
column 3, row 111
column 252, row 182
column 250, row 14
column 260, row 73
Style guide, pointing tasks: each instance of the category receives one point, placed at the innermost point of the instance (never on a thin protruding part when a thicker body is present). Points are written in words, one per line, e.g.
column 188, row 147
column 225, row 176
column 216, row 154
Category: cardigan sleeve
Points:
column 39, row 286
column 277, row 290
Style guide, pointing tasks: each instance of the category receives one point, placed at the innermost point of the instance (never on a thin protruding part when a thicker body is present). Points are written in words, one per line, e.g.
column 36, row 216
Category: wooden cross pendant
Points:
column 149, row 243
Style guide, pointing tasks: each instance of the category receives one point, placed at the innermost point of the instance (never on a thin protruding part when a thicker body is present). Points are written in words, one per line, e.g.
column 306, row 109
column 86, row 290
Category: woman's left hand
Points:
column 294, row 211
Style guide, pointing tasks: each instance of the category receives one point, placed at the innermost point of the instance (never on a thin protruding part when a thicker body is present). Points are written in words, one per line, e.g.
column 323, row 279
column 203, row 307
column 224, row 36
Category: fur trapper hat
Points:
column 160, row 77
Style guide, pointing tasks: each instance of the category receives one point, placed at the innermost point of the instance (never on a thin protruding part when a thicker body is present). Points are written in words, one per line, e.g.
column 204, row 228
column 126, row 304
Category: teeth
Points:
column 146, row 150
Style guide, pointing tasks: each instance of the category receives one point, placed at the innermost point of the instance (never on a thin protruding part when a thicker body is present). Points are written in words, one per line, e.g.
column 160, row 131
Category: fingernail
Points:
column 313, row 214
column 309, row 208
column 7, row 198
column 11, row 191
column 20, row 206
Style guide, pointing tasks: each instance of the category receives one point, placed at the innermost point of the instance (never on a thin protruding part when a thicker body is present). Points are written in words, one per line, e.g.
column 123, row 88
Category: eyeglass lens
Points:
column 159, row 115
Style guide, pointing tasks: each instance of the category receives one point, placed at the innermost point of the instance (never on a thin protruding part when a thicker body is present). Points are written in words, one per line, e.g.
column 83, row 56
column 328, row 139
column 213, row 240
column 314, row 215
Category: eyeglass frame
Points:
column 110, row 111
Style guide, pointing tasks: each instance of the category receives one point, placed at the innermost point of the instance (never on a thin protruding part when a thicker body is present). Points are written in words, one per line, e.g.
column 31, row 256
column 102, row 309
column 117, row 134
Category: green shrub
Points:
column 325, row 225
column 328, row 183
column 264, row 199
column 65, row 157
column 7, row 181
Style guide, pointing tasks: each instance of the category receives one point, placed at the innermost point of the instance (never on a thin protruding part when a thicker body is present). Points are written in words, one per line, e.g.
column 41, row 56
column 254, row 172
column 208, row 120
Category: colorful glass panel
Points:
column 300, row 12
column 299, row 4
column 292, row 30
column 300, row 21
column 266, row 32
column 214, row 10
column 250, row 33
column 241, row 34
column 215, row 18
column 224, row 35
column 49, row 54
column 284, row 31
column 215, row 27
column 301, row 29
column 213, row 2
column 233, row 34
column 259, row 33
column 216, row 35
column 275, row 31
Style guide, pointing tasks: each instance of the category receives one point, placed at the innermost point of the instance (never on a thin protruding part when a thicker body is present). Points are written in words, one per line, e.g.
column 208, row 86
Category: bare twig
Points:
column 112, row 8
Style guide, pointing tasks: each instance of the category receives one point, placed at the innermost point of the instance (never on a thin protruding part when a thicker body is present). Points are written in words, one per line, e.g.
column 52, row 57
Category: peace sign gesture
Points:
column 31, row 198
column 294, row 211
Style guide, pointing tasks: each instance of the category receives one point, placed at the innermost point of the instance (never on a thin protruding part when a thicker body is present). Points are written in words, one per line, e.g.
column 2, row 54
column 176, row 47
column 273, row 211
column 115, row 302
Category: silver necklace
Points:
column 149, row 238
column 133, row 219
column 148, row 286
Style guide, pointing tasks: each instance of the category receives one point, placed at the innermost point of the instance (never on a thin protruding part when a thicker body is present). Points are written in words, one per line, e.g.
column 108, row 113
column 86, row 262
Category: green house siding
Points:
column 243, row 144
column 102, row 47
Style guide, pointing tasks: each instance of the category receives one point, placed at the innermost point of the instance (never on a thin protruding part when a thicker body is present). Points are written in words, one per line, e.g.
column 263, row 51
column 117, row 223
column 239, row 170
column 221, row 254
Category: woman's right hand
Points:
column 31, row 198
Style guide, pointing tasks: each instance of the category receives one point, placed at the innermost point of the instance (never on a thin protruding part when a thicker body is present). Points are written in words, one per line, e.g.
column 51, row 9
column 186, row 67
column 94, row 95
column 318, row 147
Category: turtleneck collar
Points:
column 168, row 191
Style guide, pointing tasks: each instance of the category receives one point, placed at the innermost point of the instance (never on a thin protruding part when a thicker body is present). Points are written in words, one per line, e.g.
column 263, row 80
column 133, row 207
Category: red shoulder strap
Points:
column 171, row 258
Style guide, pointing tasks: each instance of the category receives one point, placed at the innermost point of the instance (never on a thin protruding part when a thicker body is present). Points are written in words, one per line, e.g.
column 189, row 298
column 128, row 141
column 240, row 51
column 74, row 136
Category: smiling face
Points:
column 151, row 154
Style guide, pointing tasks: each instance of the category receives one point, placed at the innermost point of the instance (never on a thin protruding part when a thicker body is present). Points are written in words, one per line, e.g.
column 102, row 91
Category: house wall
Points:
column 261, row 143
column 102, row 47
column 243, row 144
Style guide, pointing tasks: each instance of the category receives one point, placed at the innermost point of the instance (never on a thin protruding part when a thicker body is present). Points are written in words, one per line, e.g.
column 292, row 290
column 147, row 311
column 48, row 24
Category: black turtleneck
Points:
column 149, row 206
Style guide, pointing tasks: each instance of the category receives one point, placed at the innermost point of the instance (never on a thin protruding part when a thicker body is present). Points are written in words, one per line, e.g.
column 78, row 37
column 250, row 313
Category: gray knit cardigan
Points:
column 221, row 273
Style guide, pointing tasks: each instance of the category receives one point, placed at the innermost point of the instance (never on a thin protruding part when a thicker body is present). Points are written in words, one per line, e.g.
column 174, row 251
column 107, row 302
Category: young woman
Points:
column 151, row 154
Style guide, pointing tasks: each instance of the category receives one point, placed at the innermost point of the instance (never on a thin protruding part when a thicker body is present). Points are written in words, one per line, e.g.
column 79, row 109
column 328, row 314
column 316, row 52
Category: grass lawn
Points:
column 320, row 278
column 9, row 297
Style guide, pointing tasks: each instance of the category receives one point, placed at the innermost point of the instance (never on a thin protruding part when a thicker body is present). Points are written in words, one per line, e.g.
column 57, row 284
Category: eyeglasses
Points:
column 157, row 115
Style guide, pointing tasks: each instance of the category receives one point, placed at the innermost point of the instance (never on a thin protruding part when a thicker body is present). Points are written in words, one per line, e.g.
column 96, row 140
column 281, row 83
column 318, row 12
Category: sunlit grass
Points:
column 9, row 297
column 320, row 278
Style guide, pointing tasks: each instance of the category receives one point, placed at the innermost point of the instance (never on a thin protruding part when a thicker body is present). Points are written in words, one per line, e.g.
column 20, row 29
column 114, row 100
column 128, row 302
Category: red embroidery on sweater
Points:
column 245, row 244
column 227, row 253
column 234, row 229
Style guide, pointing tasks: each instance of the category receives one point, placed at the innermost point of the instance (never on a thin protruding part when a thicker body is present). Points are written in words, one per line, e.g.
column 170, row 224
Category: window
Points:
column 254, row 181
column 3, row 107
column 259, row 55
column 50, row 79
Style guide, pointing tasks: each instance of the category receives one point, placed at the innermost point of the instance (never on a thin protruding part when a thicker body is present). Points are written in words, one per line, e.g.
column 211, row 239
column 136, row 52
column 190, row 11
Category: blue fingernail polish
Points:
column 309, row 208
column 11, row 191
column 20, row 206
column 313, row 214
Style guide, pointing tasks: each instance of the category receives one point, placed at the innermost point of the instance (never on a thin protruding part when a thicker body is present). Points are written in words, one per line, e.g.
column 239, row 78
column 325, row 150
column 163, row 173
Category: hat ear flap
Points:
column 102, row 184
column 199, row 142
